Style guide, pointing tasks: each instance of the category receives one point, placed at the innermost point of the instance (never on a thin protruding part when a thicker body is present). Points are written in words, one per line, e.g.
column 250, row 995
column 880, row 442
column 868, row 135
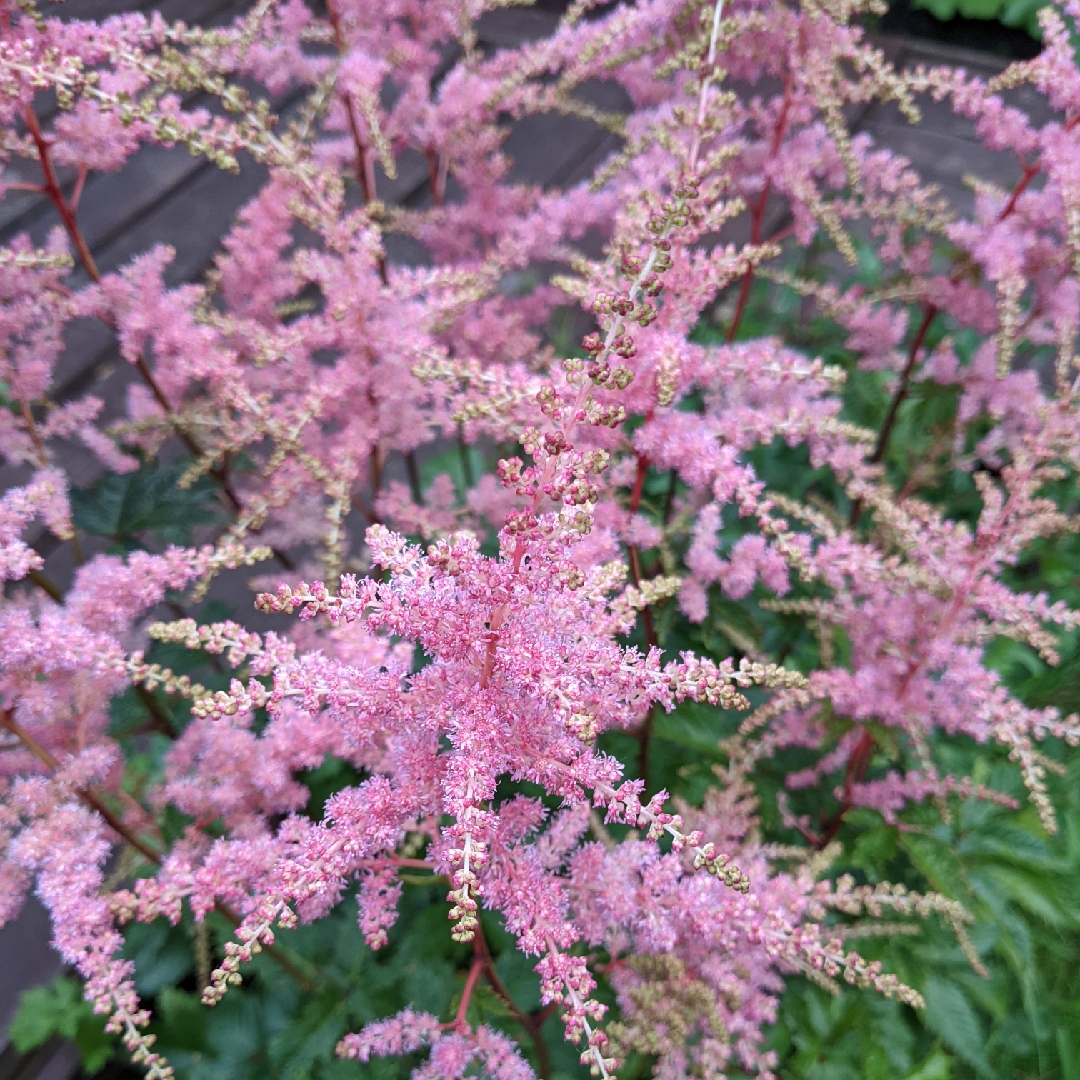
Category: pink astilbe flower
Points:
column 310, row 371
column 524, row 675
column 44, row 496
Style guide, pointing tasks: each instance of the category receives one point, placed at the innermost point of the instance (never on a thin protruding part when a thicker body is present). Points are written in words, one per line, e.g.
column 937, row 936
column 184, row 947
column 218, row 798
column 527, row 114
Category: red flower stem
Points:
column 66, row 210
column 757, row 215
column 365, row 163
column 532, row 1024
column 91, row 798
column 475, row 972
column 52, row 189
column 930, row 310
column 858, row 762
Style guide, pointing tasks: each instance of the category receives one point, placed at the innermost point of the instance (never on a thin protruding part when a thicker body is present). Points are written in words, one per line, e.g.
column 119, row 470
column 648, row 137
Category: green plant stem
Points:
column 46, row 584
column 644, row 733
column 466, row 463
column 414, row 478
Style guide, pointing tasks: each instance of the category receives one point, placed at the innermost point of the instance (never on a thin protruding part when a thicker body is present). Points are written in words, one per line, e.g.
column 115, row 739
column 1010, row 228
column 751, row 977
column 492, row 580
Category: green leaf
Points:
column 520, row 979
column 46, row 1011
column 1068, row 1047
column 937, row 862
column 1032, row 892
column 180, row 1020
column 121, row 506
column 936, row 1066
column 875, row 847
column 310, row 1037
column 94, row 1043
column 981, row 9
column 163, row 954
column 1005, row 842
column 60, row 1009
column 697, row 728
column 949, row 1014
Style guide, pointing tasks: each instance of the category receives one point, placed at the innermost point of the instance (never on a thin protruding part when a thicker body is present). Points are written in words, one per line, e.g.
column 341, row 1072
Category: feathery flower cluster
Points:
column 469, row 645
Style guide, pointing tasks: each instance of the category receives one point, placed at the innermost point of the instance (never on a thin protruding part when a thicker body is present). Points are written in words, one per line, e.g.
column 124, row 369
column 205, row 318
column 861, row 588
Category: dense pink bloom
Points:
column 309, row 366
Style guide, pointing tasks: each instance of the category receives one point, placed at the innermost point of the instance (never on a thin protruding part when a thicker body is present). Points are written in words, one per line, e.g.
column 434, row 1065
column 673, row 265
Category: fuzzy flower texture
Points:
column 465, row 638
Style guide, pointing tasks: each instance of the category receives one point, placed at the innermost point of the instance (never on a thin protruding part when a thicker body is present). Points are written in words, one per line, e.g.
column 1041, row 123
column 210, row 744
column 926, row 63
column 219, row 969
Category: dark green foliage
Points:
column 1021, row 14
column 59, row 1009
column 127, row 506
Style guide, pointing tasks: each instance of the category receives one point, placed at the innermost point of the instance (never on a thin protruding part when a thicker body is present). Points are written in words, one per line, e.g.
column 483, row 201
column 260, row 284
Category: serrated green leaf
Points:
column 1033, row 892
column 937, row 862
column 121, row 506
column 312, row 1035
column 162, row 954
column 1004, row 842
column 60, row 1009
column 46, row 1011
column 950, row 1014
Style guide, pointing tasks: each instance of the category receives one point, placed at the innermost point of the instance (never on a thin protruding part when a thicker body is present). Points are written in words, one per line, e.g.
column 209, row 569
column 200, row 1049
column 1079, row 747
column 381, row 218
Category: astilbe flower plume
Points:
column 471, row 679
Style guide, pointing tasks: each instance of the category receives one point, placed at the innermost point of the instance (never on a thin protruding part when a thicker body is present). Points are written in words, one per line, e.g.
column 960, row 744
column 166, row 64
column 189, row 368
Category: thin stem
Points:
column 644, row 733
column 160, row 720
column 35, row 435
column 475, row 972
column 1029, row 174
column 418, row 864
column 638, row 490
column 466, row 461
column 66, row 209
column 858, row 762
column 414, row 478
column 366, row 509
column 307, row 980
column 217, row 473
column 80, row 183
column 375, row 465
column 438, row 172
column 757, row 215
column 365, row 163
column 903, row 387
column 45, row 583
column 930, row 310
column 91, row 798
column 56, row 195
column 901, row 393
column 532, row 1024
column 669, row 498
